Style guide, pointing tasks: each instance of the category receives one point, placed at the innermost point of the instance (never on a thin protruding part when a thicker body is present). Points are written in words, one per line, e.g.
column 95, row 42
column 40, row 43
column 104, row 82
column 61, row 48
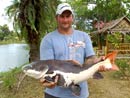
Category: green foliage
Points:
column 124, row 66
column 4, row 32
column 34, row 15
column 7, row 36
column 117, row 37
column 113, row 9
column 127, row 38
column 9, row 78
column 32, row 20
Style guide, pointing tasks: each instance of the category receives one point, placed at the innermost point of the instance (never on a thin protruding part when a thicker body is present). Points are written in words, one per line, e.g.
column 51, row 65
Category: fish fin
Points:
column 61, row 81
column 76, row 89
column 112, row 56
column 98, row 75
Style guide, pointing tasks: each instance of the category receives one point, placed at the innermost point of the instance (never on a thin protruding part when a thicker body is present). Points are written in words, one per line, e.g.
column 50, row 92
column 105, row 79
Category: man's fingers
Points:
column 49, row 84
column 42, row 80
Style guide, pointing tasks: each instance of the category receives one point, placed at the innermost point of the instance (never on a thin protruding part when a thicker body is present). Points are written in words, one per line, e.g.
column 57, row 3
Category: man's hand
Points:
column 49, row 84
column 102, row 68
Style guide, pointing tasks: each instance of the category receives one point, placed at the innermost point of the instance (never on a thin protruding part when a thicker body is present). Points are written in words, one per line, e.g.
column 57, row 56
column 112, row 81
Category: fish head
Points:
column 32, row 71
column 111, row 57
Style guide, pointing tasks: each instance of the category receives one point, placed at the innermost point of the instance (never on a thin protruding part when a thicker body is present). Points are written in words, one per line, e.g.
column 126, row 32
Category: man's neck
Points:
column 65, row 31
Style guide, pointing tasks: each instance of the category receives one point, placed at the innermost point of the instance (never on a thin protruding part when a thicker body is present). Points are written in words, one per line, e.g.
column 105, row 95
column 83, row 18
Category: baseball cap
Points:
column 63, row 7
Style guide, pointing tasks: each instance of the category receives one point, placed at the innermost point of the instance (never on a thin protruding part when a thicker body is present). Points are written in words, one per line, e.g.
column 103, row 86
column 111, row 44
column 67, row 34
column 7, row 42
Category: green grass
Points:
column 11, row 42
column 9, row 78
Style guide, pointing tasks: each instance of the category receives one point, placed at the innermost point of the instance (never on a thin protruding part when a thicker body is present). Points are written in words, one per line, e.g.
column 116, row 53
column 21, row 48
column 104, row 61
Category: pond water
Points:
column 13, row 55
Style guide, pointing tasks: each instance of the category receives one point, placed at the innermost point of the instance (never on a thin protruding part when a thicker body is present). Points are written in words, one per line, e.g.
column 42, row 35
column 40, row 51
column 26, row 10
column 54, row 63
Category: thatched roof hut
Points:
column 121, row 25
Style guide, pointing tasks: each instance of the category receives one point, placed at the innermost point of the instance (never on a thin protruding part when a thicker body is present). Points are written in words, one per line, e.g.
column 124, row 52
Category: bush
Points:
column 124, row 65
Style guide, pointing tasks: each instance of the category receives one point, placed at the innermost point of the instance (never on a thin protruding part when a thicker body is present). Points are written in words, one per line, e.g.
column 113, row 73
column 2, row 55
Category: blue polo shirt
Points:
column 76, row 46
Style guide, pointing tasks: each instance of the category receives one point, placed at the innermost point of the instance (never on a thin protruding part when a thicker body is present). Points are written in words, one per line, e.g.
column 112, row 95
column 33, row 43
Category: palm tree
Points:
column 33, row 19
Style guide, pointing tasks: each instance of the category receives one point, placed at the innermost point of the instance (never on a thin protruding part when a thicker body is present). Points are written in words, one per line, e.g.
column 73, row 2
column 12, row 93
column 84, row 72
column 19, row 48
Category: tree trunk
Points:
column 34, row 52
column 33, row 41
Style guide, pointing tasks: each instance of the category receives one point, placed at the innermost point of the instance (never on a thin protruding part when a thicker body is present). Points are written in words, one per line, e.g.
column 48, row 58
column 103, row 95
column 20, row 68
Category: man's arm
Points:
column 90, row 60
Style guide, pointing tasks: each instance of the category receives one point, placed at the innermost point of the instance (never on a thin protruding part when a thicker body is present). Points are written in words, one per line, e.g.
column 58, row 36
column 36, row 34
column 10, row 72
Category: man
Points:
column 66, row 43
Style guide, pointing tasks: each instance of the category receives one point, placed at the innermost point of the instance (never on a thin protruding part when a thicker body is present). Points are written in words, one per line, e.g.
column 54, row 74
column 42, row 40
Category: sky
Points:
column 3, row 17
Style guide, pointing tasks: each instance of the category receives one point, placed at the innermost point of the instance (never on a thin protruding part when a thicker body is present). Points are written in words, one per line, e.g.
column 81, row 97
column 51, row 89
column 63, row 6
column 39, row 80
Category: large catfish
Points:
column 70, row 73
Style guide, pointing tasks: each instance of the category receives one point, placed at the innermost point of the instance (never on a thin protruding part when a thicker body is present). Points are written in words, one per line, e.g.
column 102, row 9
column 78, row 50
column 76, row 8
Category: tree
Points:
column 103, row 10
column 4, row 32
column 33, row 19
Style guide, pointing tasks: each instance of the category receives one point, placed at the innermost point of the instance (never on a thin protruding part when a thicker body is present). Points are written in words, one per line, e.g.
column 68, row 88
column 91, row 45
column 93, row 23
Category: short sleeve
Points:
column 46, row 49
column 89, row 51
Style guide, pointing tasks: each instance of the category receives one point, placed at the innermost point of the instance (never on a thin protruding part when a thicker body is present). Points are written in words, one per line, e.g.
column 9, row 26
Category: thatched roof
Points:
column 121, row 25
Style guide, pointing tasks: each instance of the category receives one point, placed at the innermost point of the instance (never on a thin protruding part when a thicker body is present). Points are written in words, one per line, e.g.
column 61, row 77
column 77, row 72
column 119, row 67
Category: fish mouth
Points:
column 30, row 71
column 26, row 67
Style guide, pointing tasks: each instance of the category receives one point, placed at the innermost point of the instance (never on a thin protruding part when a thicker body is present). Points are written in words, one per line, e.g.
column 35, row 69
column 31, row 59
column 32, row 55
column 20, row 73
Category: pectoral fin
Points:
column 98, row 75
column 75, row 90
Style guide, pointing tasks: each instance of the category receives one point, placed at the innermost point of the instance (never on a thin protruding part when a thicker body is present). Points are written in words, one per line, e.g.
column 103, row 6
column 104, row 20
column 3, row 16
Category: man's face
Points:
column 65, row 20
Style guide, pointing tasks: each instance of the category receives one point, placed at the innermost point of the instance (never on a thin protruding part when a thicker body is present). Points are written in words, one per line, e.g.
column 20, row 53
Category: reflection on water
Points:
column 12, row 55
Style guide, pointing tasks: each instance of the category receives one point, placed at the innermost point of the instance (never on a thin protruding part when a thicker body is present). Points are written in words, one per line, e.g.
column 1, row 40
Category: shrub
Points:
column 124, row 65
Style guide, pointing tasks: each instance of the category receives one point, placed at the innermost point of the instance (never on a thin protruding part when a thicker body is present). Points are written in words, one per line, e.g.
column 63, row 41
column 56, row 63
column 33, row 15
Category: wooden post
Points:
column 106, row 48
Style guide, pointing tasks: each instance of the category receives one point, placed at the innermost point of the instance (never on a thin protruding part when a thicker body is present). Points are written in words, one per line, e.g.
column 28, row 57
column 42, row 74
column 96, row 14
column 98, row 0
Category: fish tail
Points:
column 112, row 56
